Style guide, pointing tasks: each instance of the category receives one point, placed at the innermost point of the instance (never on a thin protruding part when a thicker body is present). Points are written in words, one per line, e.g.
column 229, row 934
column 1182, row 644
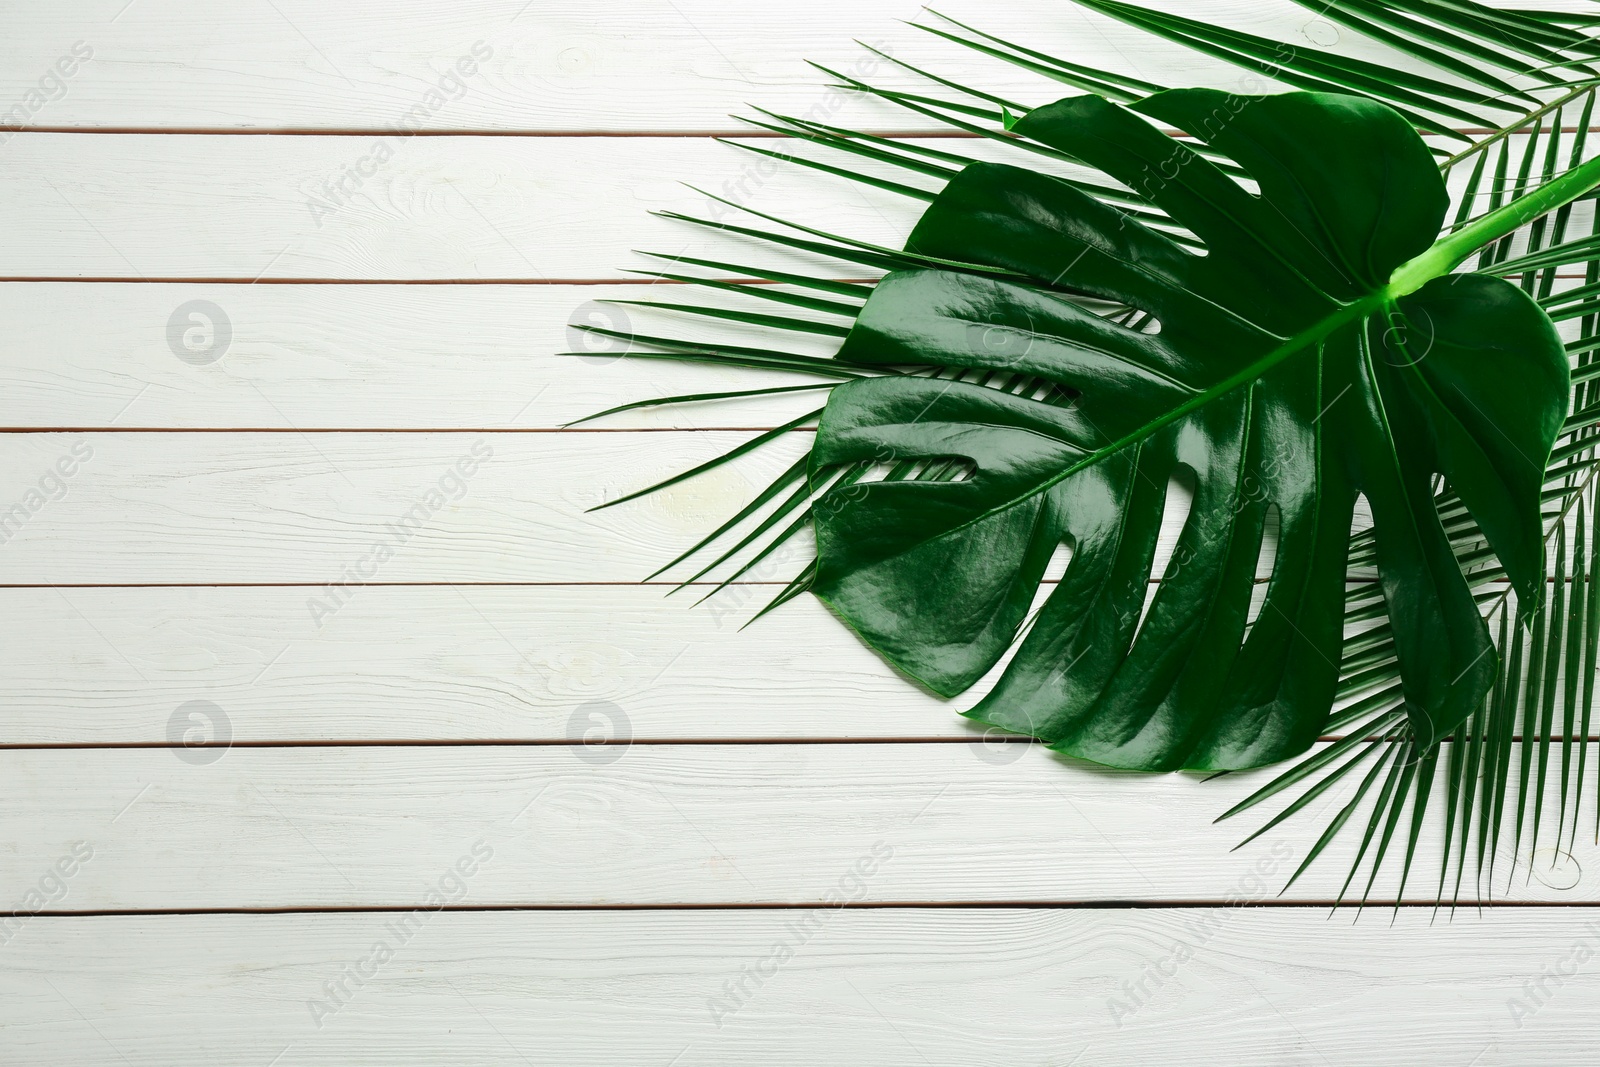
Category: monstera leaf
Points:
column 1313, row 348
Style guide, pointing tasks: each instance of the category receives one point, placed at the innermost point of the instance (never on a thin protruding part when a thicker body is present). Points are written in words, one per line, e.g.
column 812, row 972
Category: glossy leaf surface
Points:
column 1285, row 370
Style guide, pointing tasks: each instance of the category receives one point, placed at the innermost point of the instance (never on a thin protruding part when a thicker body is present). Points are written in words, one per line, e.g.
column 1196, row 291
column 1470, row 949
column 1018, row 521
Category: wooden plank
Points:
column 343, row 509
column 1253, row 987
column 543, row 208
column 194, row 356
column 445, row 663
column 646, row 66
column 390, row 507
column 453, row 663
column 450, row 663
column 248, row 827
column 365, row 357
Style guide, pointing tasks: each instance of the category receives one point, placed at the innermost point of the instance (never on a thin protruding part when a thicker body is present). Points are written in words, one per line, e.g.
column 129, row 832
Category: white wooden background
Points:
column 664, row 899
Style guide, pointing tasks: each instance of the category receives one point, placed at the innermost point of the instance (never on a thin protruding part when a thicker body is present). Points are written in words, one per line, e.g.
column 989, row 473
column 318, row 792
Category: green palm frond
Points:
column 1507, row 99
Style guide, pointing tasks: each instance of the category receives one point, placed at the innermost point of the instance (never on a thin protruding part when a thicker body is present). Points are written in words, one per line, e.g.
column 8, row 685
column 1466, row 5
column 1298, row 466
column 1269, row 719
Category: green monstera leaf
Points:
column 1313, row 348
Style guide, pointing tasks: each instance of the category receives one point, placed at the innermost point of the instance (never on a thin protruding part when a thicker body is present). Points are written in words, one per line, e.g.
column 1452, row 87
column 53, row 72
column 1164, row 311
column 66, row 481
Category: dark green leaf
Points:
column 1289, row 372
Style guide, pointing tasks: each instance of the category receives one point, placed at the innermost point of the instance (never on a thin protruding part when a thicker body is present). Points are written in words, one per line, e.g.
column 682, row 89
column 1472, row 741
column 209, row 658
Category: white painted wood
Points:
column 1255, row 987
column 366, row 356
column 390, row 507
column 444, row 663
column 643, row 66
column 115, row 355
column 347, row 508
column 653, row 824
column 348, row 207
column 674, row 824
column 208, row 356
column 341, row 509
column 449, row 663
column 542, row 208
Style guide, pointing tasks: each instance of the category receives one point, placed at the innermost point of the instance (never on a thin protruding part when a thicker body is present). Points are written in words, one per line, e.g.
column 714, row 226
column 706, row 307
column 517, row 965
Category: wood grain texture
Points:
column 348, row 508
column 1256, row 987
column 544, row 208
column 435, row 663
column 644, row 66
column 365, row 357
column 86, row 666
column 118, row 355
column 323, row 357
column 678, row 824
column 289, row 507
column 169, row 827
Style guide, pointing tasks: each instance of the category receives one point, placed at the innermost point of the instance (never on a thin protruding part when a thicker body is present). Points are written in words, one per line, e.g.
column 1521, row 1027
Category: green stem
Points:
column 1448, row 252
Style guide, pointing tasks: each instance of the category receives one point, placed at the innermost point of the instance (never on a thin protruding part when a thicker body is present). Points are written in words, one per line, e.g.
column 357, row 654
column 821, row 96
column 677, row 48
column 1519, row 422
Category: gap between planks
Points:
column 569, row 742
column 1198, row 904
column 395, row 429
column 514, row 742
column 168, row 279
column 143, row 279
column 737, row 132
column 742, row 133
column 468, row 585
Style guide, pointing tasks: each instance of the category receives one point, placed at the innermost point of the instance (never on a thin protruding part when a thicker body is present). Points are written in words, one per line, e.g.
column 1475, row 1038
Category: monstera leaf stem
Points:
column 1436, row 262
column 1451, row 251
